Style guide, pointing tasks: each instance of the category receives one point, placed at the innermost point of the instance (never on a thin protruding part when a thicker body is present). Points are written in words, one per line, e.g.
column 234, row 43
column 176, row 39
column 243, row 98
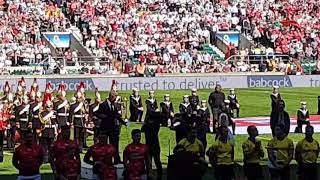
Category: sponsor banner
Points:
column 229, row 37
column 268, row 81
column 142, row 83
column 305, row 81
column 60, row 40
column 71, row 83
column 284, row 81
column 13, row 82
column 172, row 82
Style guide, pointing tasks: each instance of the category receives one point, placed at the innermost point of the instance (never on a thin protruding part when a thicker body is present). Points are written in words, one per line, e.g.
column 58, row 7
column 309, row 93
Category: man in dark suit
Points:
column 216, row 102
column 280, row 117
column 110, row 114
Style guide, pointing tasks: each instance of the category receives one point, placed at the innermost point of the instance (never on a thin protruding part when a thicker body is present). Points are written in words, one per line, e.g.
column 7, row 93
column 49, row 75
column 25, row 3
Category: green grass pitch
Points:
column 254, row 102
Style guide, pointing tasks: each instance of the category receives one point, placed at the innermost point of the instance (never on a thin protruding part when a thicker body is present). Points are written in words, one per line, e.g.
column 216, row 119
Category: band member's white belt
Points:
column 63, row 114
column 23, row 119
column 78, row 116
column 36, row 116
column 49, row 126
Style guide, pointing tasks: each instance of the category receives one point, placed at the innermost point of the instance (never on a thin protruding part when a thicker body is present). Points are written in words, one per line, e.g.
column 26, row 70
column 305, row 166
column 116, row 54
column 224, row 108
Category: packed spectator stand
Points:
column 163, row 36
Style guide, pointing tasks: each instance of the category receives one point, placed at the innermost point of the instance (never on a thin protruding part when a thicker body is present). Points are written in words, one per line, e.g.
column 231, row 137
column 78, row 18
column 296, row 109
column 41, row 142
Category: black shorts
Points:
column 231, row 122
column 252, row 171
column 282, row 174
column 1, row 138
column 224, row 172
column 307, row 171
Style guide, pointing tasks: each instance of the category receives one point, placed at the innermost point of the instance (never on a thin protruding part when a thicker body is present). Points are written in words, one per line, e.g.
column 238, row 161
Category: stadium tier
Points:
column 205, row 89
column 129, row 36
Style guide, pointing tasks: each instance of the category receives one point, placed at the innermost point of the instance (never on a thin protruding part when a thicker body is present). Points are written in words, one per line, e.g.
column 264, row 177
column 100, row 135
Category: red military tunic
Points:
column 135, row 154
column 4, row 117
column 59, row 152
column 103, row 153
column 30, row 159
column 72, row 168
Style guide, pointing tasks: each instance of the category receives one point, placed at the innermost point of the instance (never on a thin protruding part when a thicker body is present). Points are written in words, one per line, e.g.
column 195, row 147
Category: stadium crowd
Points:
column 38, row 127
column 170, row 33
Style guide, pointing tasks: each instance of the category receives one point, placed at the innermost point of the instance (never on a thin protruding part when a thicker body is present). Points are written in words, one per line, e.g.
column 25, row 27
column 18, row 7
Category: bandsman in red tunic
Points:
column 11, row 123
column 59, row 151
column 6, row 91
column 22, row 120
column 101, row 156
column 34, row 89
column 48, row 118
column 78, row 116
column 5, row 115
column 34, row 110
column 61, row 106
column 93, row 108
column 28, row 157
column 136, row 160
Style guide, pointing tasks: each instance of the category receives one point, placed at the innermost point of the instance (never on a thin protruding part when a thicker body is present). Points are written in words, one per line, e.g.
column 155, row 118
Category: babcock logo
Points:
column 269, row 81
column 72, row 84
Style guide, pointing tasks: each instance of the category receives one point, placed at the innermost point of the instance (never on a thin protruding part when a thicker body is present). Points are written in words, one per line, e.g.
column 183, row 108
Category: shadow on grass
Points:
column 208, row 176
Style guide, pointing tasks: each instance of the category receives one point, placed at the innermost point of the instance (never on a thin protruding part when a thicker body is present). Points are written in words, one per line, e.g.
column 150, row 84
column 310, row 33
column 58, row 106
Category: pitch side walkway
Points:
column 263, row 124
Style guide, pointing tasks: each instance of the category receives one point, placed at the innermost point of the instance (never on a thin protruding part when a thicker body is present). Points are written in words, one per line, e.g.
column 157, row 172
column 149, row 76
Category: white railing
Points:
column 257, row 58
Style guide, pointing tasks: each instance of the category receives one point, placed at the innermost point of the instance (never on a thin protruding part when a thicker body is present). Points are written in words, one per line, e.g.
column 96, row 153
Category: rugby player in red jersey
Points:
column 101, row 156
column 28, row 157
column 71, row 166
column 59, row 151
column 137, row 163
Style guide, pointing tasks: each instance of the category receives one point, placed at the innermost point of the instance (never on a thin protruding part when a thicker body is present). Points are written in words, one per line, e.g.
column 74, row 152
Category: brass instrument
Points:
column 42, row 120
column 3, row 99
column 17, row 101
column 67, row 109
column 10, row 108
column 86, row 108
column 125, row 107
column 122, row 102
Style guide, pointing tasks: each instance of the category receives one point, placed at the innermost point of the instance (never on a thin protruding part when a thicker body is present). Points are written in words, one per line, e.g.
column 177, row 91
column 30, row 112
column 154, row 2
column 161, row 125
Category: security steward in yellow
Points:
column 280, row 153
column 221, row 156
column 192, row 144
column 252, row 153
column 306, row 154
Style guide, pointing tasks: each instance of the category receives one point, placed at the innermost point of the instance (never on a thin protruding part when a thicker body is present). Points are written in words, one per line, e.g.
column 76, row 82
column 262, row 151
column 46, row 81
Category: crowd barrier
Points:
column 176, row 82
